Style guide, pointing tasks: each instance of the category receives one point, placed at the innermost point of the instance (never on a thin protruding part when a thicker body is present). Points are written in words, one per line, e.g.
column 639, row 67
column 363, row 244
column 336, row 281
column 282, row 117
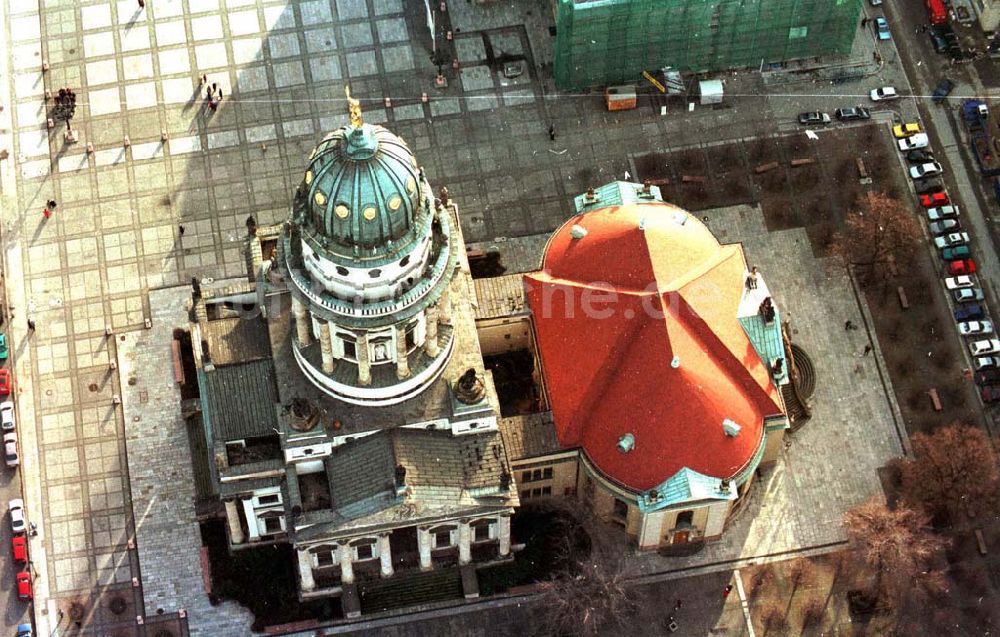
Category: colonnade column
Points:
column 424, row 546
column 464, row 543
column 364, row 362
column 385, row 555
column 402, row 365
column 301, row 314
column 444, row 307
column 504, row 533
column 346, row 564
column 326, row 347
column 431, row 331
column 306, row 570
column 236, row 535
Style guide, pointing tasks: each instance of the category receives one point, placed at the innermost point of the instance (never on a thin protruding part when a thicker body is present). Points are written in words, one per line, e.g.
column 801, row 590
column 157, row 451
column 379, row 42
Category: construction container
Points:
column 620, row 98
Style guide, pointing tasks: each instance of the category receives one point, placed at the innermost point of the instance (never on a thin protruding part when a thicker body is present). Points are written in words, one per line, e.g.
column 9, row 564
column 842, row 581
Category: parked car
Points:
column 19, row 549
column 943, row 226
column 24, row 586
column 986, row 346
column 899, row 131
column 929, row 186
column 988, row 377
column 975, row 328
column 6, row 384
column 16, row 510
column 959, row 282
column 875, row 3
column 958, row 252
column 4, row 349
column 882, row 28
column 884, row 94
column 969, row 312
column 814, row 118
column 7, row 416
column 918, row 156
column 990, row 393
column 923, row 171
column 953, row 239
column 938, row 42
column 848, row 114
column 942, row 90
column 23, row 630
column 986, row 362
column 10, row 450
column 967, row 294
column 917, row 140
column 962, row 266
column 934, row 199
column 944, row 212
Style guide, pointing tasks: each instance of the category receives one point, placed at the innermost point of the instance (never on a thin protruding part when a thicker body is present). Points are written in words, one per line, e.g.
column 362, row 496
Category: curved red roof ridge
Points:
column 613, row 309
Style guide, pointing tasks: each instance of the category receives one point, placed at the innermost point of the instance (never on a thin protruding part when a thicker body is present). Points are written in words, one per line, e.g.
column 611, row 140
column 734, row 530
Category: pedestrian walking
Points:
column 46, row 213
column 208, row 92
column 220, row 94
column 31, row 325
column 204, row 79
column 677, row 606
column 727, row 590
column 212, row 104
column 181, row 230
column 868, row 350
column 552, row 132
column 142, row 4
column 51, row 203
column 849, row 325
column 215, row 87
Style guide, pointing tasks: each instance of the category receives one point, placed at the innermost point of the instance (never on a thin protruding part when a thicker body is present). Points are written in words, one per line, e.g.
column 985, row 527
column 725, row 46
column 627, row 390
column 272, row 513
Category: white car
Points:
column 949, row 240
column 16, row 509
column 988, row 346
column 965, row 295
column 959, row 282
column 883, row 94
column 10, row 449
column 943, row 226
column 7, row 415
column 975, row 328
column 936, row 214
column 923, row 171
column 986, row 362
column 914, row 141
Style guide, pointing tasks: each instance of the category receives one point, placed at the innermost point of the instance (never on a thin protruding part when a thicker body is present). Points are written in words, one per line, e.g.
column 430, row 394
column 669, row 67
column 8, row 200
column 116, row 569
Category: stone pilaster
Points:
column 444, row 307
column 402, row 364
column 346, row 564
column 504, row 534
column 301, row 314
column 464, row 543
column 431, row 331
column 326, row 347
column 385, row 555
column 236, row 535
column 364, row 361
column 424, row 546
column 306, row 571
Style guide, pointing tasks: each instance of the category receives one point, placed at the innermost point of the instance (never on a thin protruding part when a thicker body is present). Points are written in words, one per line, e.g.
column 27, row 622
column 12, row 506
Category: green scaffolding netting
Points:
column 606, row 42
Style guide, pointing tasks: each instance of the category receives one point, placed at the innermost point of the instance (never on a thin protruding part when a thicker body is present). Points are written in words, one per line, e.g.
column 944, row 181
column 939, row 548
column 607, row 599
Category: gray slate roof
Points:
column 240, row 400
column 360, row 469
column 236, row 340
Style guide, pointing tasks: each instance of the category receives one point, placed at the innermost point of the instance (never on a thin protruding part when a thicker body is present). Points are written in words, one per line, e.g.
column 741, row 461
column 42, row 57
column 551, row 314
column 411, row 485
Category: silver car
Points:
column 16, row 510
column 10, row 449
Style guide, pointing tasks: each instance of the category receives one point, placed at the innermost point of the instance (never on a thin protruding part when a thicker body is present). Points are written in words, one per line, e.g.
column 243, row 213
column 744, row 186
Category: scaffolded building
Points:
column 606, row 42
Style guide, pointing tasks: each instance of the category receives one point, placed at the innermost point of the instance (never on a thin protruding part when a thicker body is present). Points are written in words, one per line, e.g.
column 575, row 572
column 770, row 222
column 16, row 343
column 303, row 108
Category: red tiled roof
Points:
column 613, row 309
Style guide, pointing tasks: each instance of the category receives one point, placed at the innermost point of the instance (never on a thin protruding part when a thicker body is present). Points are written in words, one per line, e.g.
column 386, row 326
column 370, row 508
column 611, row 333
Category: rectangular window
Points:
column 546, row 490
column 536, row 493
column 266, row 500
column 525, row 494
column 364, row 551
column 536, row 474
column 620, row 509
column 547, row 473
column 350, row 349
column 481, row 532
column 272, row 525
column 442, row 539
column 324, row 558
column 525, row 476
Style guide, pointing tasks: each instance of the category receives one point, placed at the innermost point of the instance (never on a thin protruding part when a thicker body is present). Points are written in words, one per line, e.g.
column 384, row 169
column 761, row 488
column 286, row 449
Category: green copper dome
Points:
column 360, row 191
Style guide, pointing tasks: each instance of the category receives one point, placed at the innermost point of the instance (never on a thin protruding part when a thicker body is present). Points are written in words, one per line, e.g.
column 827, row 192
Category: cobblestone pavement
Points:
column 282, row 66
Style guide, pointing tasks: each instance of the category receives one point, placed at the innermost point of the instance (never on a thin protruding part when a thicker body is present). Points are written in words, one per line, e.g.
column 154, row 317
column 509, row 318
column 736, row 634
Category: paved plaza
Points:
column 152, row 158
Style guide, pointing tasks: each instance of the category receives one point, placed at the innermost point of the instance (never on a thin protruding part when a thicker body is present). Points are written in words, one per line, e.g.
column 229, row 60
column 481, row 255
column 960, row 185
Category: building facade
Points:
column 607, row 42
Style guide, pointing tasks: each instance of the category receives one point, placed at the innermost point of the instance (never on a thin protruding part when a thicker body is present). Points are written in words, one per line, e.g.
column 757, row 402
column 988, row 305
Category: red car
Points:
column 6, row 382
column 19, row 546
column 962, row 266
column 934, row 199
column 24, row 585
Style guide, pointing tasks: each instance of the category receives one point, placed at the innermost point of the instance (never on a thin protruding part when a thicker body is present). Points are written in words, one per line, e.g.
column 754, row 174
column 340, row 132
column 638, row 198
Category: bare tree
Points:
column 878, row 231
column 592, row 594
column 897, row 544
column 953, row 470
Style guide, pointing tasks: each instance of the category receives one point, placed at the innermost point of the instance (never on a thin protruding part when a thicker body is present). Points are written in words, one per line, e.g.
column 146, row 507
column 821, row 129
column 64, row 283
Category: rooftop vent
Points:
column 626, row 443
column 577, row 231
column 724, row 485
column 642, row 223
column 680, row 218
column 676, row 362
column 731, row 428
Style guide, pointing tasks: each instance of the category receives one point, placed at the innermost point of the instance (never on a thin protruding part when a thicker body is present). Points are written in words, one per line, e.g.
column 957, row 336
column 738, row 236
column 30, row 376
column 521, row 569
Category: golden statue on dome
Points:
column 354, row 105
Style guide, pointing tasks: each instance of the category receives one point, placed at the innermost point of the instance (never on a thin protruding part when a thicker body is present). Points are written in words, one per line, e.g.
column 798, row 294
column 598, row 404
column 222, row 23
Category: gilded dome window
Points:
column 342, row 211
column 395, row 202
column 411, row 185
column 370, row 213
column 342, row 271
column 319, row 198
column 309, row 177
